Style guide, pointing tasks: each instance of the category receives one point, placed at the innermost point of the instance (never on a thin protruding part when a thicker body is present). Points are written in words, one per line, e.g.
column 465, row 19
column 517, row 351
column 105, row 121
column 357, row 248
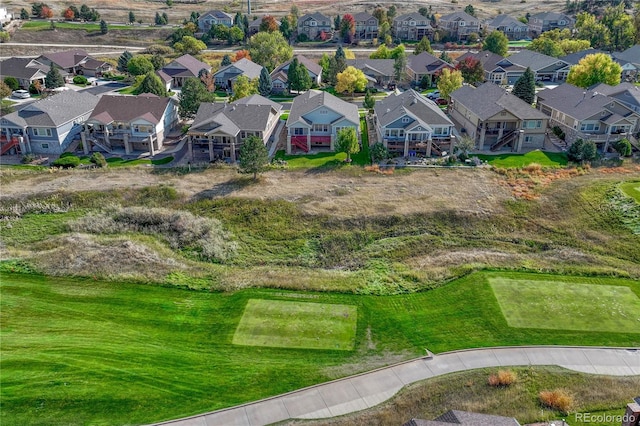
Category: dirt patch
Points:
column 133, row 37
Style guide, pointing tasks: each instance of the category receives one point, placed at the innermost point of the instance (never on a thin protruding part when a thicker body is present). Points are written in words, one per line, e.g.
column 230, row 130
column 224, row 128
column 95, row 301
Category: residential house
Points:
column 254, row 26
column 629, row 60
column 75, row 62
column 212, row 18
column 496, row 119
column 496, row 69
column 547, row 21
column 280, row 81
column 313, row 25
column 627, row 93
column 5, row 16
column 410, row 124
column 589, row 115
column 412, row 26
column 180, row 69
column 219, row 129
column 425, row 64
column 378, row 71
column 135, row 123
column 574, row 58
column 25, row 70
column 545, row 68
column 226, row 76
column 315, row 119
column 46, row 126
column 366, row 26
column 464, row 418
column 511, row 27
column 459, row 25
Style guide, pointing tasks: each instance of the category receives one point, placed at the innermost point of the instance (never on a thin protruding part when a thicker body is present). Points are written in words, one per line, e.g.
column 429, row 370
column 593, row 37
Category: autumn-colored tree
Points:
column 46, row 12
column 351, row 80
column 244, row 87
column 68, row 14
column 240, row 54
column 269, row 24
column 471, row 69
column 594, row 69
column 448, row 82
column 347, row 28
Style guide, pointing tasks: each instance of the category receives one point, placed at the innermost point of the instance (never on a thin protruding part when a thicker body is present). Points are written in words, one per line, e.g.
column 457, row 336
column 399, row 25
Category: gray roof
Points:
column 426, row 63
column 245, row 66
column 551, row 16
column 489, row 99
column 631, row 55
column 314, row 67
column 503, row 20
column 410, row 103
column 574, row 58
column 575, row 101
column 68, row 58
column 251, row 113
column 54, row 110
column 127, row 108
column 24, row 68
column 363, row 16
column 627, row 93
column 534, row 60
column 490, row 60
column 381, row 66
column 313, row 99
column 459, row 16
column 415, row 16
column 218, row 14
column 317, row 16
column 188, row 66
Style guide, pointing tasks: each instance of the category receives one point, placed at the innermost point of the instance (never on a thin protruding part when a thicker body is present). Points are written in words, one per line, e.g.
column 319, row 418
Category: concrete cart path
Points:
column 366, row 390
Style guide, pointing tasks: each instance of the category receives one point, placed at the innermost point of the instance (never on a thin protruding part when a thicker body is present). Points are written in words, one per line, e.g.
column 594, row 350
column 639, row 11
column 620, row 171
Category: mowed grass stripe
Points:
column 560, row 305
column 632, row 189
column 301, row 325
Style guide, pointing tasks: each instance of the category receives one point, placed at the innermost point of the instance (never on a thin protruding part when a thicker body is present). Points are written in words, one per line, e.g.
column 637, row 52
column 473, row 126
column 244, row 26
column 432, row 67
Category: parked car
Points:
column 21, row 94
column 433, row 95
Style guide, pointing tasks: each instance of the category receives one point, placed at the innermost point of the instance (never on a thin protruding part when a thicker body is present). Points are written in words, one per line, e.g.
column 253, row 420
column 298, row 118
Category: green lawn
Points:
column 302, row 325
column 567, row 306
column 519, row 43
column 120, row 162
column 81, row 351
column 546, row 159
column 632, row 189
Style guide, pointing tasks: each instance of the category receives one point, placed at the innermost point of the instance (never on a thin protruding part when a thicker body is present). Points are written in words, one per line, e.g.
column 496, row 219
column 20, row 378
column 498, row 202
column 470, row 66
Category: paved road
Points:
column 366, row 390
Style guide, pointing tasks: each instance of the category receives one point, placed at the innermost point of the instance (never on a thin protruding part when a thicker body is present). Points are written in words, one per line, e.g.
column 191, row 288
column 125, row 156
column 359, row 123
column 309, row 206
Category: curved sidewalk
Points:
column 366, row 390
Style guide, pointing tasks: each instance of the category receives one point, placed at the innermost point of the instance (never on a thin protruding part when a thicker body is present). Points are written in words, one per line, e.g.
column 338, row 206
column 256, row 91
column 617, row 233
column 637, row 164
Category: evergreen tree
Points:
column 293, row 76
column 165, row 18
column 123, row 61
column 157, row 61
column 525, row 87
column 132, row 17
column 226, row 60
column 104, row 28
column 445, row 57
column 254, row 157
column 53, row 79
column 400, row 66
column 304, row 79
column 369, row 101
column 151, row 83
column 285, row 28
column 190, row 97
column 24, row 14
column 337, row 64
column 264, row 83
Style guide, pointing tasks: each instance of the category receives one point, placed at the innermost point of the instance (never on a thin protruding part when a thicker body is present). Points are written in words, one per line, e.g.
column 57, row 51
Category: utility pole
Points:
column 248, row 7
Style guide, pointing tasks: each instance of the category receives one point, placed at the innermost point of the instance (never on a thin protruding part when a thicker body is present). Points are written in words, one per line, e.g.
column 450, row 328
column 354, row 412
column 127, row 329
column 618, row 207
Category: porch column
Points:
column 211, row 153
column 127, row 146
column 190, row 148
column 519, row 142
column 288, row 143
column 152, row 148
column 23, row 147
column 483, row 132
column 308, row 140
column 85, row 143
column 27, row 141
column 106, row 138
column 500, row 133
column 332, row 143
column 233, row 152
column 406, row 146
column 429, row 145
column 452, row 144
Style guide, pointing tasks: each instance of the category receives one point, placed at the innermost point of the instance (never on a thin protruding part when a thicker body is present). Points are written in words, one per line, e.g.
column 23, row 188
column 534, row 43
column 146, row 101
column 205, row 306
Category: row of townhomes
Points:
column 406, row 122
column 411, row 26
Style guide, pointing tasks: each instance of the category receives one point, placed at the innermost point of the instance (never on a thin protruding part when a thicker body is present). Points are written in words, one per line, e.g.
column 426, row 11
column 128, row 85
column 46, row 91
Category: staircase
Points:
column 6, row 145
column 435, row 149
column 505, row 139
column 101, row 144
column 300, row 143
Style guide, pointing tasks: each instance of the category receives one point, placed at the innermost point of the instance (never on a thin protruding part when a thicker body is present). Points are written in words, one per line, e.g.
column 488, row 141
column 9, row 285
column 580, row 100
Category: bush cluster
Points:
column 502, row 379
column 67, row 162
column 558, row 399
column 182, row 230
column 80, row 79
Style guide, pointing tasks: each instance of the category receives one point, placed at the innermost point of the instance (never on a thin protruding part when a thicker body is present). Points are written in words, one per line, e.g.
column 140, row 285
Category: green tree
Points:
column 123, row 61
column 351, row 80
column 623, row 147
column 423, row 46
column 400, row 67
column 139, row 65
column 24, row 14
column 226, row 60
column 581, row 151
column 244, row 87
column 325, row 63
column 236, row 35
column 264, row 82
column 471, row 69
column 497, row 43
column 593, row 69
column 5, row 90
column 132, row 17
column 12, row 82
column 190, row 45
column 157, row 61
column 589, row 28
column 190, row 97
column 169, row 3
column 337, row 64
column 151, row 83
column 269, row 49
column 470, row 10
column 525, row 87
column 382, row 52
column 53, row 79
column 292, row 75
column 384, row 31
column 4, row 36
column 378, row 152
column 254, row 157
column 448, row 82
column 347, row 28
column 369, row 101
column 285, row 28
column 444, row 56
column 546, row 46
column 303, row 79
column 464, row 145
column 621, row 27
column 98, row 159
column 104, row 28
column 347, row 142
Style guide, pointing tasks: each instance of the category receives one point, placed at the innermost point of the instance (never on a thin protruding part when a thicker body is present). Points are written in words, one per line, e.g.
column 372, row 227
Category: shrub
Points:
column 623, row 147
column 12, row 82
column 98, row 159
column 558, row 132
column 302, row 38
column 67, row 154
column 27, row 158
column 503, row 378
column 558, row 399
column 80, row 79
column 67, row 162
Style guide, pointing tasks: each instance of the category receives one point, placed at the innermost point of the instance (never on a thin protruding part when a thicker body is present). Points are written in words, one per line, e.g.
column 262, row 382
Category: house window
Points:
column 405, row 119
column 41, row 131
column 298, row 131
column 528, row 139
column 589, row 127
column 532, row 124
column 313, row 23
column 324, row 111
column 45, row 146
column 401, row 133
column 321, row 128
column 412, row 23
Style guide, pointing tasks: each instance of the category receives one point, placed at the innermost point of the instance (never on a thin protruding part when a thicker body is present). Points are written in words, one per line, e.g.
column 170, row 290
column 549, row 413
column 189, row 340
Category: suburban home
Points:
column 315, row 119
column 219, row 129
column 25, row 70
column 545, row 68
column 496, row 119
column 135, row 123
column 280, row 81
column 547, row 21
column 254, row 26
column 5, row 16
column 425, row 64
column 75, row 62
column 47, row 126
column 496, row 69
column 226, row 76
column 212, row 18
column 180, row 69
column 313, row 25
column 412, row 26
column 627, row 93
column 366, row 26
column 589, row 115
column 378, row 71
column 629, row 60
column 464, row 418
column 459, row 25
column 410, row 124
column 511, row 27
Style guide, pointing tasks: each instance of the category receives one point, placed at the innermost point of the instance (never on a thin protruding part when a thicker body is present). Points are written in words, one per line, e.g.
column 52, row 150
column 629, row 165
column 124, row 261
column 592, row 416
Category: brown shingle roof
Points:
column 127, row 108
